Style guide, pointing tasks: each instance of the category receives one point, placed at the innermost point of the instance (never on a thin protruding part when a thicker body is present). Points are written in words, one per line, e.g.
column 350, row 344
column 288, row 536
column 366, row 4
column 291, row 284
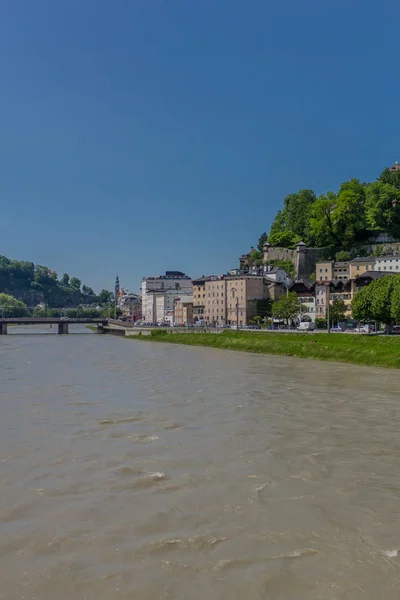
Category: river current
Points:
column 151, row 472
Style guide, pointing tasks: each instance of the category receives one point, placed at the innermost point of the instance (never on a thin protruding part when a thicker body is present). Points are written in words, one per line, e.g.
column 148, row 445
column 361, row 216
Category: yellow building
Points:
column 231, row 300
column 360, row 265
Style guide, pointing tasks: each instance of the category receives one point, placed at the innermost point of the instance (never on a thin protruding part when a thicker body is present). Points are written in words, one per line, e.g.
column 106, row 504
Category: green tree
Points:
column 105, row 297
column 337, row 311
column 109, row 310
column 322, row 227
column 297, row 213
column 286, row 265
column 65, row 279
column 280, row 235
column 321, row 323
column 382, row 207
column 257, row 257
column 264, row 307
column 348, row 215
column 391, row 177
column 75, row 283
column 286, row 308
column 11, row 307
column 374, row 303
column 87, row 291
column 283, row 239
column 343, row 256
column 262, row 240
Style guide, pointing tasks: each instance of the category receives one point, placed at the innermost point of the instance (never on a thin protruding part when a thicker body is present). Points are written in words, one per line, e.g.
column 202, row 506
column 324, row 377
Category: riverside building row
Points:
column 237, row 297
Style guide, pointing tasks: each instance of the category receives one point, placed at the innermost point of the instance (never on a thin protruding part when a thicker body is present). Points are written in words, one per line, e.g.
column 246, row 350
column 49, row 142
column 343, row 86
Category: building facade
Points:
column 361, row 264
column 232, row 300
column 131, row 306
column 389, row 263
column 305, row 292
column 183, row 311
column 154, row 286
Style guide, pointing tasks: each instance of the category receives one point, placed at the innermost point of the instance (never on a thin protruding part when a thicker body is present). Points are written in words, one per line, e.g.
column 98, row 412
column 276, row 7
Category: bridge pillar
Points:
column 3, row 329
column 63, row 328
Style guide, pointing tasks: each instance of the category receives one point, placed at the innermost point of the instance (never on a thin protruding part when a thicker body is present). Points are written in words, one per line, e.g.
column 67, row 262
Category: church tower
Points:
column 117, row 288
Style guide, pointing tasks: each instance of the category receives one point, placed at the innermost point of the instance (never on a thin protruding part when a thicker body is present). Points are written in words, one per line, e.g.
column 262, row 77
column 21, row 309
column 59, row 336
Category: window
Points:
column 384, row 268
column 326, row 277
column 320, row 270
column 326, row 270
column 358, row 267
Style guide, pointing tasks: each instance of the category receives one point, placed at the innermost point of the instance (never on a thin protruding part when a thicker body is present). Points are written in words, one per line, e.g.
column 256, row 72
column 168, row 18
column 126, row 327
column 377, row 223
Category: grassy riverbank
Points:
column 379, row 351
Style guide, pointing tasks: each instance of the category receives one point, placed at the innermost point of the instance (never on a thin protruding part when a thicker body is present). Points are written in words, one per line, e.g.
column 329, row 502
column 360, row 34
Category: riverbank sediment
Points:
column 377, row 351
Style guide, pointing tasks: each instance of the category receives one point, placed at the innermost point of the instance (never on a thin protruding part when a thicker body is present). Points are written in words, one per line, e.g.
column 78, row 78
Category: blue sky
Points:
column 143, row 135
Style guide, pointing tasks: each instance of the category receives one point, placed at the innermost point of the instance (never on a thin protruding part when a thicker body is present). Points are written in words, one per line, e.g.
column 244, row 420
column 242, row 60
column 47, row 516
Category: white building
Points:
column 156, row 287
column 390, row 263
column 165, row 302
column 278, row 274
column 307, row 308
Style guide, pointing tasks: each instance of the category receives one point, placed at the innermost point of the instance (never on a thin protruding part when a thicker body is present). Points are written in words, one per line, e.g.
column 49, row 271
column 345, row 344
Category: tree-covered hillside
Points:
column 35, row 284
column 339, row 220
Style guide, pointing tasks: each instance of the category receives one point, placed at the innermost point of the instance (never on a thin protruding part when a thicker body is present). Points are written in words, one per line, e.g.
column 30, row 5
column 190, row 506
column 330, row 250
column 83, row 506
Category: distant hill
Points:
column 34, row 284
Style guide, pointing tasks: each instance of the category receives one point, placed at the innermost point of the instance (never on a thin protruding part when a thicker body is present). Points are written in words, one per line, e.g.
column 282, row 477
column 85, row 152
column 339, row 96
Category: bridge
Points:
column 62, row 322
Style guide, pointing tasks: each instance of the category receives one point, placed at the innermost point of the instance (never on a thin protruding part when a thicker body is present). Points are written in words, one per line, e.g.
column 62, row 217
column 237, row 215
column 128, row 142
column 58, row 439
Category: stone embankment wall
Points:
column 303, row 258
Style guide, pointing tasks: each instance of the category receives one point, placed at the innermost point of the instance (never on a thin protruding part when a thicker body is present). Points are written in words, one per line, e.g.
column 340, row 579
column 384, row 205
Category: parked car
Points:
column 336, row 330
column 305, row 326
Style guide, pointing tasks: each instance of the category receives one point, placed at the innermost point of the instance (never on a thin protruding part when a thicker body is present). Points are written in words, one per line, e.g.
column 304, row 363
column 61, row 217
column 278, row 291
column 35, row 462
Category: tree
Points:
column 87, row 291
column 75, row 283
column 65, row 279
column 286, row 308
column 321, row 221
column 262, row 240
column 297, row 213
column 337, row 311
column 105, row 297
column 283, row 239
column 264, row 307
column 286, row 265
column 109, row 310
column 11, row 307
column 343, row 256
column 348, row 215
column 382, row 208
column 257, row 257
column 321, row 323
column 280, row 235
column 391, row 177
column 378, row 301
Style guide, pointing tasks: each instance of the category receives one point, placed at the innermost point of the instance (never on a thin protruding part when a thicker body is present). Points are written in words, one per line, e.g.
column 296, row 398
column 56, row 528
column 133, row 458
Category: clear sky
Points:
column 143, row 135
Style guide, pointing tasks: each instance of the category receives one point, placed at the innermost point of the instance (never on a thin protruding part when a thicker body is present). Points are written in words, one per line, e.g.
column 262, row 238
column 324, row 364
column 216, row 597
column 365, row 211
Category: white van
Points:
column 306, row 326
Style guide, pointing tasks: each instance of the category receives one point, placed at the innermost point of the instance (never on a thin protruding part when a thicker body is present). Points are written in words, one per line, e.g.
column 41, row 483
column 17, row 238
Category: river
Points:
column 151, row 472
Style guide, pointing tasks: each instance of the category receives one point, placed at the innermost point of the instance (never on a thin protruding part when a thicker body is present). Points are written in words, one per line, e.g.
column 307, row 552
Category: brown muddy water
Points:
column 148, row 471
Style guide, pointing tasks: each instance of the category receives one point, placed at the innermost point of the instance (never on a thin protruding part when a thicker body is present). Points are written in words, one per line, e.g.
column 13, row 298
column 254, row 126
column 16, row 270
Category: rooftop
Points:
column 374, row 274
column 366, row 259
column 388, row 256
column 168, row 275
